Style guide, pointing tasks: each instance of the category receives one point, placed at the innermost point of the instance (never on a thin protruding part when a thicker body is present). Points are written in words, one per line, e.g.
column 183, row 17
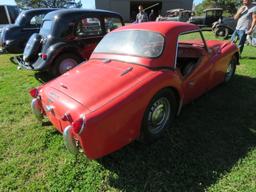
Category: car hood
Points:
column 8, row 31
column 97, row 82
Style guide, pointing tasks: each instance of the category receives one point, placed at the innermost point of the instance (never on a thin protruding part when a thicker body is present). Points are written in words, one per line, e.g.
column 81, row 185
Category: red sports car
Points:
column 134, row 84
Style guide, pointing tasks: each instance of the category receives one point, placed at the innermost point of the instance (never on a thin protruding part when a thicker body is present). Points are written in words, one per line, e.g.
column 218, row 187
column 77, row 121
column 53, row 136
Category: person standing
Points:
column 152, row 16
column 141, row 16
column 245, row 23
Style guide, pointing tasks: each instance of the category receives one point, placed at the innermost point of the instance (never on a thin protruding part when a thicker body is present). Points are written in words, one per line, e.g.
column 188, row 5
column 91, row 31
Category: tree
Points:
column 48, row 3
column 229, row 6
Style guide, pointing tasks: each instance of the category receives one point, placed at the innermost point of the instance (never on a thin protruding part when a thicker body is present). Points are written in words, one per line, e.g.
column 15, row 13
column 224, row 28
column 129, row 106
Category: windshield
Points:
column 46, row 28
column 3, row 16
column 133, row 42
column 14, row 12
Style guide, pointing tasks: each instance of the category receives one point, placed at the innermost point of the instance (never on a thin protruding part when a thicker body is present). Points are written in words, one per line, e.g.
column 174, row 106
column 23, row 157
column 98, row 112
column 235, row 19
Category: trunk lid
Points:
column 96, row 82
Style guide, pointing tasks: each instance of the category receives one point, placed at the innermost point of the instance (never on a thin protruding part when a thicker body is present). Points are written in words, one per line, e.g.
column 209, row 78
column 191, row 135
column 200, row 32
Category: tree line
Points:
column 48, row 3
column 229, row 6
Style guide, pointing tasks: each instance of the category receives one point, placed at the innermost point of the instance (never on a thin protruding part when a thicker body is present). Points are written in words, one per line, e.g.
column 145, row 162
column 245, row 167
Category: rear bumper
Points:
column 70, row 143
column 37, row 109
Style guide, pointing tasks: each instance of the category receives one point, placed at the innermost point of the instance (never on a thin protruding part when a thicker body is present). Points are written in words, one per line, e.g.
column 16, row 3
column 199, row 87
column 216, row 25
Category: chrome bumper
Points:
column 69, row 141
column 36, row 109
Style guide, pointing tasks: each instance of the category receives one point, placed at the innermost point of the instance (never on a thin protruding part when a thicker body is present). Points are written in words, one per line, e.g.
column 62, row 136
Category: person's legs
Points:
column 233, row 37
column 242, row 38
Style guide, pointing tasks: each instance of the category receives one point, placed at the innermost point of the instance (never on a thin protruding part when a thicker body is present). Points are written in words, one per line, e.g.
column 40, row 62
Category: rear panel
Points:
column 56, row 105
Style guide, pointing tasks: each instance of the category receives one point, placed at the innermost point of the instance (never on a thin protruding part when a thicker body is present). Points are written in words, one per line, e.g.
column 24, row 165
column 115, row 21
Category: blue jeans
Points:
column 242, row 38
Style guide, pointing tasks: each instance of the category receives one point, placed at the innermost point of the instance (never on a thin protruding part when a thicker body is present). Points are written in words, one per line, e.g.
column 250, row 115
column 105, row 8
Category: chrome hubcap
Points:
column 66, row 65
column 159, row 115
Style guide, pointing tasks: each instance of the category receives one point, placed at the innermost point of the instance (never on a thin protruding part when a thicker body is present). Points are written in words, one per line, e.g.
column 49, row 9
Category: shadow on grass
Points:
column 250, row 58
column 206, row 141
column 43, row 77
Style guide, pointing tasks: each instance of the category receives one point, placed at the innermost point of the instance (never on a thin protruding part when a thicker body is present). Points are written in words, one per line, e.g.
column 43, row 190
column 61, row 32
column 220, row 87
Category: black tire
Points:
column 58, row 69
column 221, row 32
column 231, row 69
column 150, row 130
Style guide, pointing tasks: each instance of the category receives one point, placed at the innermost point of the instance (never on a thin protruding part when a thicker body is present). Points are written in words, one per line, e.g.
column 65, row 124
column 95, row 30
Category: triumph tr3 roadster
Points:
column 134, row 84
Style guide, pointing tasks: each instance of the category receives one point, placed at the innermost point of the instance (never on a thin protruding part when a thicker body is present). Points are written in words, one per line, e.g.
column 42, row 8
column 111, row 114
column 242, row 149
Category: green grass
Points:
column 211, row 147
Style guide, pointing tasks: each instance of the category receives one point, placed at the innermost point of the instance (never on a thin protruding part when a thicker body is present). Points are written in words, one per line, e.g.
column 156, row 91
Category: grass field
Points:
column 211, row 147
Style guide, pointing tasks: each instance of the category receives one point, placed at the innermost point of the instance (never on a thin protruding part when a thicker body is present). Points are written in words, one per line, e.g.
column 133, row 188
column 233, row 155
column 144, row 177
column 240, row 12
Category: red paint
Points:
column 114, row 104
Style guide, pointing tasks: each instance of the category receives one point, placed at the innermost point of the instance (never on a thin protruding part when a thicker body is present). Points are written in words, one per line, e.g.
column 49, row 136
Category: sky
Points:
column 86, row 3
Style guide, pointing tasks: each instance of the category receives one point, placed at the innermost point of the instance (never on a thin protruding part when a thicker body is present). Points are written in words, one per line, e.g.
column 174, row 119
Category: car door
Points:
column 196, row 68
column 88, row 33
column 195, row 84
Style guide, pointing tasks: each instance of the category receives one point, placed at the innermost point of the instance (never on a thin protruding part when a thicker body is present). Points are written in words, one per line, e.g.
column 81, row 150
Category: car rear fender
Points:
column 59, row 48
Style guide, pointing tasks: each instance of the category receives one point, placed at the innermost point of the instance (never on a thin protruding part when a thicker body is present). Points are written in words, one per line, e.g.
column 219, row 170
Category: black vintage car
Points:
column 176, row 15
column 8, row 14
column 209, row 17
column 14, row 37
column 224, row 27
column 66, row 38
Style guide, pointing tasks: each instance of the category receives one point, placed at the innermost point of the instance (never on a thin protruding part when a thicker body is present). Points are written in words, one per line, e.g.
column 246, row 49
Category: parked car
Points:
column 134, row 84
column 176, row 15
column 14, row 37
column 8, row 14
column 209, row 17
column 67, row 37
column 224, row 27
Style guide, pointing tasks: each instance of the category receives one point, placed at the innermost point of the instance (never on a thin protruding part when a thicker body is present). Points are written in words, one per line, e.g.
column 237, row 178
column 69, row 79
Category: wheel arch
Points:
column 68, row 50
column 177, row 94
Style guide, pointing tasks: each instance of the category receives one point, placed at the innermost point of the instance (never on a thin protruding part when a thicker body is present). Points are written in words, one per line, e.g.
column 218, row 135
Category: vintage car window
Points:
column 3, row 16
column 67, row 31
column 134, row 42
column 14, row 12
column 190, row 48
column 191, row 38
column 37, row 20
column 46, row 28
column 88, row 27
column 112, row 23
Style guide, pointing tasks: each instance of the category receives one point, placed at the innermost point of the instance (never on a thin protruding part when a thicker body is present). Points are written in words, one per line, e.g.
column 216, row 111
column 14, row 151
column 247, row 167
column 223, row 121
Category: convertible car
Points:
column 134, row 84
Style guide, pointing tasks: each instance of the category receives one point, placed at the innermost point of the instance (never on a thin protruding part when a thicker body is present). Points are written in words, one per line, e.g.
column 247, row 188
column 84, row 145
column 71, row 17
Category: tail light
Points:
column 44, row 56
column 34, row 92
column 78, row 125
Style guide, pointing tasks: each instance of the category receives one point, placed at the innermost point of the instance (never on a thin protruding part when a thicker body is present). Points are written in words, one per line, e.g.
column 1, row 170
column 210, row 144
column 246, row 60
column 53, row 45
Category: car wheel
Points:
column 221, row 32
column 158, row 116
column 230, row 69
column 64, row 63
